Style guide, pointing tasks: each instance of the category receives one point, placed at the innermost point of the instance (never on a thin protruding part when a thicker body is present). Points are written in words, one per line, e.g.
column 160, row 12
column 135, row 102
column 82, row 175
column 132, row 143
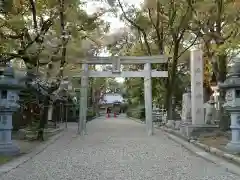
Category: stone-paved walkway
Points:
column 117, row 149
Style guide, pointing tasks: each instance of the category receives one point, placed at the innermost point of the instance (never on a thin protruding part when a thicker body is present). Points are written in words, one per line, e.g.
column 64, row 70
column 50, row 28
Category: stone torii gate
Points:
column 116, row 62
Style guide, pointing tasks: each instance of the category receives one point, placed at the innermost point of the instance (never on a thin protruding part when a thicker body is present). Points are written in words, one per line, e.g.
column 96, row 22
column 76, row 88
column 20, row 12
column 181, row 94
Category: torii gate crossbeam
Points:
column 116, row 61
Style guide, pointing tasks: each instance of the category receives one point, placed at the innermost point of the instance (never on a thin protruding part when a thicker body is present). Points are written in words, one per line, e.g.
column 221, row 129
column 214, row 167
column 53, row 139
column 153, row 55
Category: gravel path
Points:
column 117, row 149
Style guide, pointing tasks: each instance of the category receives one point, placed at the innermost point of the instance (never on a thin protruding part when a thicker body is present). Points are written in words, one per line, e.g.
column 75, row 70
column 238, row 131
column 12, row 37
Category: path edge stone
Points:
column 15, row 163
column 215, row 151
column 137, row 120
column 212, row 150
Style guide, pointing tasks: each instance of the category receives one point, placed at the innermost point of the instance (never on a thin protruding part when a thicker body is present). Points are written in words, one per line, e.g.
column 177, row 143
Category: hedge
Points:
column 138, row 113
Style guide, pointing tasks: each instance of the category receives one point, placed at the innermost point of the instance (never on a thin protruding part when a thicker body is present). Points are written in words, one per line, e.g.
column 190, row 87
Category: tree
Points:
column 219, row 32
column 219, row 38
column 172, row 27
column 163, row 27
column 39, row 33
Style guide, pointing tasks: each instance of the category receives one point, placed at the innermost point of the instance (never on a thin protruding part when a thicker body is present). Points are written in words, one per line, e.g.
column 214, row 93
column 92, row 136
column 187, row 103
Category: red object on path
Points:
column 108, row 113
column 115, row 114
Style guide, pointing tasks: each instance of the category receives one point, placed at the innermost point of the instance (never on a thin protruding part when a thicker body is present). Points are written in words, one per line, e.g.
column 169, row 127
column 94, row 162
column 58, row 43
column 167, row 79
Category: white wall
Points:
column 110, row 98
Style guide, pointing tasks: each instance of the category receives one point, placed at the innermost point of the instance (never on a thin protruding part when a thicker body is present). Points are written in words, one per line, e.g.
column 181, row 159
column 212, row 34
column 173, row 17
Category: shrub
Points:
column 138, row 113
column 90, row 114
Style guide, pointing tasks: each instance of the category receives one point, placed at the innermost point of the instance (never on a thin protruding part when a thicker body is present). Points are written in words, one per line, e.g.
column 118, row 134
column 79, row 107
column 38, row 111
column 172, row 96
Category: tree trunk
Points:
column 55, row 114
column 43, row 119
column 224, row 118
column 171, row 82
column 207, row 92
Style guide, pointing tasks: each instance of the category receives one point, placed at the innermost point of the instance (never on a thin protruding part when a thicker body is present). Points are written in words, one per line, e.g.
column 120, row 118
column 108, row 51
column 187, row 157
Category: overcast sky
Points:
column 92, row 7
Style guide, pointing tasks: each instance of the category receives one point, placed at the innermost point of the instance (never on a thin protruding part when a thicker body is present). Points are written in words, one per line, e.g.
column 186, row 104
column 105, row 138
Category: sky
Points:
column 92, row 7
column 115, row 23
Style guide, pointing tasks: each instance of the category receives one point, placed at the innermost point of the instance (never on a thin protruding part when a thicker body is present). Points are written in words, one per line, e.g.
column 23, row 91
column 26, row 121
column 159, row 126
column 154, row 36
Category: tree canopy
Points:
column 173, row 28
column 59, row 33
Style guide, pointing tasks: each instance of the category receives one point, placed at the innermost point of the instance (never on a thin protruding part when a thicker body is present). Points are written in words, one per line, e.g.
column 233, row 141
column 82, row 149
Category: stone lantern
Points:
column 9, row 88
column 232, row 104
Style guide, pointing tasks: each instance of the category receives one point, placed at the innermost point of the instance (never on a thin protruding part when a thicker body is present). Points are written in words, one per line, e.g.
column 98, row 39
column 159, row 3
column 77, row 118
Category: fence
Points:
column 55, row 114
column 158, row 115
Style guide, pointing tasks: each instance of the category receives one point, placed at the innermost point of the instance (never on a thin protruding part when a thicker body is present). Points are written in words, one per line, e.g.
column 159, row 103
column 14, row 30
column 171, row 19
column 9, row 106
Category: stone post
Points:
column 50, row 110
column 216, row 105
column 186, row 108
column 197, row 88
column 49, row 115
column 209, row 111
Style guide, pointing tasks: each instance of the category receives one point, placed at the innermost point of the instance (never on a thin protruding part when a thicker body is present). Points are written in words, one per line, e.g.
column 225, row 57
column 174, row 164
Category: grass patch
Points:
column 5, row 159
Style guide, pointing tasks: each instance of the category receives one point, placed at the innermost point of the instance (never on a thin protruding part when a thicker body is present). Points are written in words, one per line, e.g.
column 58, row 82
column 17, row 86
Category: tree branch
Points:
column 64, row 39
column 34, row 15
column 5, row 57
column 156, row 27
column 11, row 36
column 186, row 49
column 39, row 38
column 137, row 27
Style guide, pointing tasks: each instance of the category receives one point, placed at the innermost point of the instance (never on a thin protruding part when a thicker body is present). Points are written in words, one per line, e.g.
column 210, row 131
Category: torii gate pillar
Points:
column 148, row 98
column 83, row 101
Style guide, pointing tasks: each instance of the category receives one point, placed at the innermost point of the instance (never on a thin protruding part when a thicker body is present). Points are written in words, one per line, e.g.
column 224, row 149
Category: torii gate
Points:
column 116, row 62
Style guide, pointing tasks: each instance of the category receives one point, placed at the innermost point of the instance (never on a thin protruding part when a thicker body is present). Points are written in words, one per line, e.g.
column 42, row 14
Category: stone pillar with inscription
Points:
column 197, row 87
column 9, row 88
column 197, row 124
